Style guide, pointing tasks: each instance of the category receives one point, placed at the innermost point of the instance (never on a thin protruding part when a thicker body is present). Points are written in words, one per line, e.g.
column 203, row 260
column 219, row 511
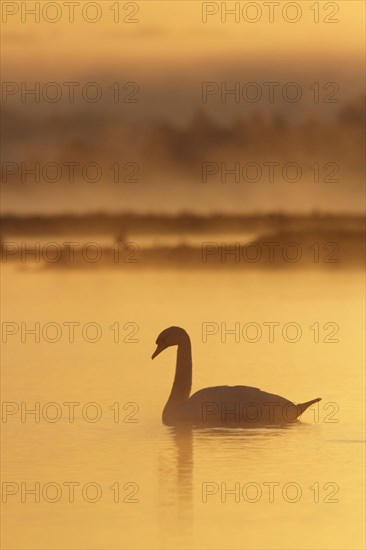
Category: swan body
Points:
column 225, row 406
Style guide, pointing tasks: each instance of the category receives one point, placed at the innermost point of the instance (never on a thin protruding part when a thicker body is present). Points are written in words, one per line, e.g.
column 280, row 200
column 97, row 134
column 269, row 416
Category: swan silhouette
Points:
column 219, row 405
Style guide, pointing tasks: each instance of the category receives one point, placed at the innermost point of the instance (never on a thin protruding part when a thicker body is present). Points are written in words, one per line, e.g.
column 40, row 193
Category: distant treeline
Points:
column 164, row 149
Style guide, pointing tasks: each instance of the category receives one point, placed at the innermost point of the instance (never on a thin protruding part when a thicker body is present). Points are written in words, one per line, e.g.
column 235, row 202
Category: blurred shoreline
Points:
column 104, row 223
column 186, row 241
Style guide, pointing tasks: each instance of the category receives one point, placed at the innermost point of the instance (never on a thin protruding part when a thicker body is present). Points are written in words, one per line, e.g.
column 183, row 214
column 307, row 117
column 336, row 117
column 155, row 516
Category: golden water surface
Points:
column 137, row 484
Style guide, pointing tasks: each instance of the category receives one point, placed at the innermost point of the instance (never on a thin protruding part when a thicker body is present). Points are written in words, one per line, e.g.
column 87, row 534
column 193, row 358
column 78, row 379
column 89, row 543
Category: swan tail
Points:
column 301, row 407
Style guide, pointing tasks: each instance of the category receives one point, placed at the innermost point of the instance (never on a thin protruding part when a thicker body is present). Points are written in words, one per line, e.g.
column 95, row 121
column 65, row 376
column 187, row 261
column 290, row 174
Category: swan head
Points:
column 172, row 336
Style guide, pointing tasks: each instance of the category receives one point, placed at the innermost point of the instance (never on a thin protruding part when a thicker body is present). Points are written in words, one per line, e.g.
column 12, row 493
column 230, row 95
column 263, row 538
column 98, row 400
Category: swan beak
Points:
column 158, row 350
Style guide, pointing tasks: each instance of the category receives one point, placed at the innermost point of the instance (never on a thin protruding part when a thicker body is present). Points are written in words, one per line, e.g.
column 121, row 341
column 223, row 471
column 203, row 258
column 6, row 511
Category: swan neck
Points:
column 182, row 382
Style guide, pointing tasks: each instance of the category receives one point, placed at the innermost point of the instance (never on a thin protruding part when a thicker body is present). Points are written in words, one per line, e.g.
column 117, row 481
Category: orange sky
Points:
column 172, row 32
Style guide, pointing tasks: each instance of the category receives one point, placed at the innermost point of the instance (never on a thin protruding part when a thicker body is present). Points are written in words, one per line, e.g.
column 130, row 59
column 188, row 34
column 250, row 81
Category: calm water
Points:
column 298, row 488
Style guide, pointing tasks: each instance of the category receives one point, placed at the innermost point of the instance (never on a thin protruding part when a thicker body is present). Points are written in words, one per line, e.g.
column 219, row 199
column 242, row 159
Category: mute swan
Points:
column 220, row 405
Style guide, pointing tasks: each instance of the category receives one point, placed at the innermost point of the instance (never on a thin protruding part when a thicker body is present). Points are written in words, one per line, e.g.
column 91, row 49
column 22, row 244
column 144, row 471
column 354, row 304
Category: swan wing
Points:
column 224, row 405
column 225, row 393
